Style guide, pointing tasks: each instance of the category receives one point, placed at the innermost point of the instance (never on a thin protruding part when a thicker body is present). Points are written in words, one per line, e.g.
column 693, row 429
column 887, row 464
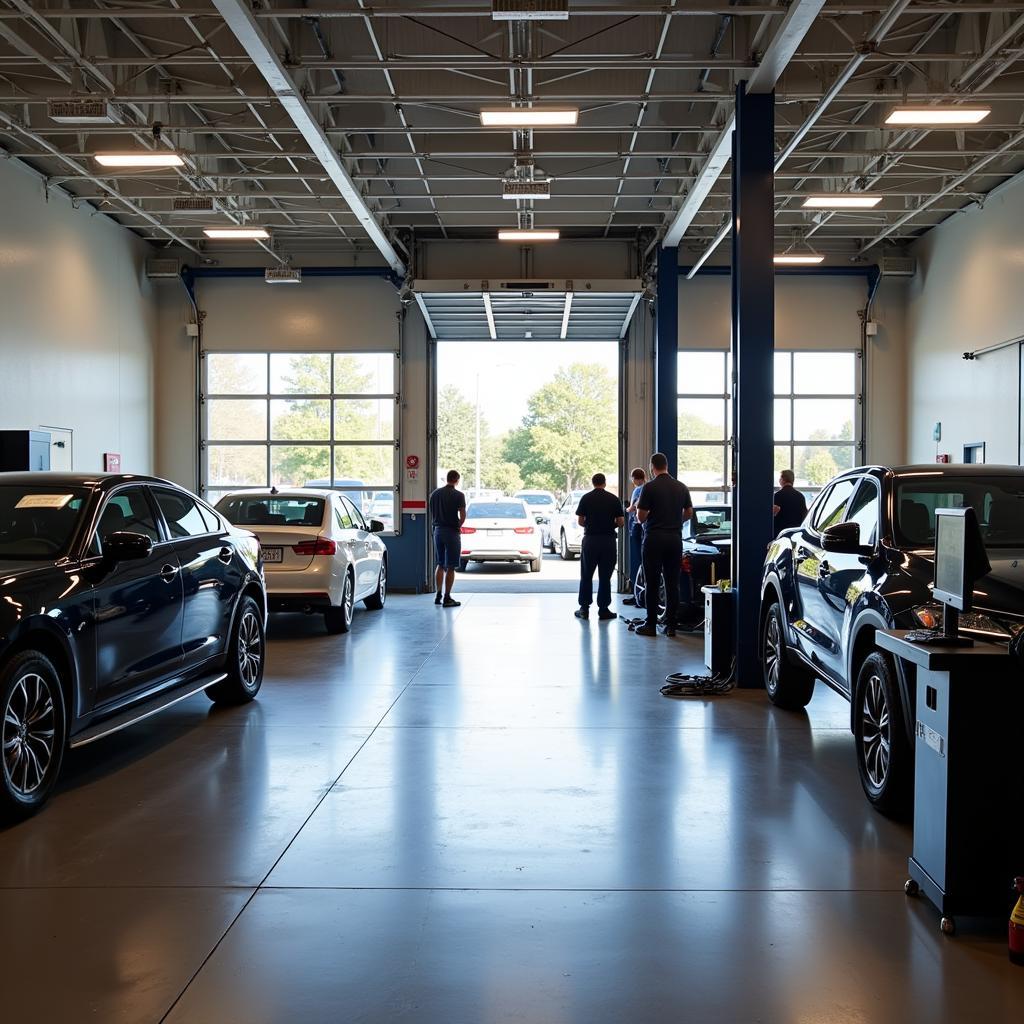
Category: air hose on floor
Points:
column 678, row 684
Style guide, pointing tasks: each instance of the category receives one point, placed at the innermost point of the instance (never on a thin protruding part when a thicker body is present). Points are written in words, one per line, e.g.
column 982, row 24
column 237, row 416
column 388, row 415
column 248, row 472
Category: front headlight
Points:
column 928, row 615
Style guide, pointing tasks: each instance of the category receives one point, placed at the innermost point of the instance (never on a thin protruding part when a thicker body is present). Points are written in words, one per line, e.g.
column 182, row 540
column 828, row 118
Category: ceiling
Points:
column 396, row 89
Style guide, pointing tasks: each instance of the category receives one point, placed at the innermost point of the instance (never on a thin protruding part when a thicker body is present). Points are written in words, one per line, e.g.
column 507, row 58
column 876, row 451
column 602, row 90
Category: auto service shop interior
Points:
column 491, row 812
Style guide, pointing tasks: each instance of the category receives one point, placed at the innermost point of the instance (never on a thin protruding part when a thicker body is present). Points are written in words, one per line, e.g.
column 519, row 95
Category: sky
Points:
column 510, row 371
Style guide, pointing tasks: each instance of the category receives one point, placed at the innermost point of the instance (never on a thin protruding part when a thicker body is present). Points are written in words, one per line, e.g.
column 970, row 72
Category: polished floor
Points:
column 486, row 814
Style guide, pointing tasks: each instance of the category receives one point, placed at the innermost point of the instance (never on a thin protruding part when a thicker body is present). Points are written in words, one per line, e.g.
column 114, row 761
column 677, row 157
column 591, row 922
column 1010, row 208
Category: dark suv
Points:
column 863, row 561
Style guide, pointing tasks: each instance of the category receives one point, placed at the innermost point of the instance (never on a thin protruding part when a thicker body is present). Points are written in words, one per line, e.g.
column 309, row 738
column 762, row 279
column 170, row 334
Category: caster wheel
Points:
column 911, row 888
column 948, row 926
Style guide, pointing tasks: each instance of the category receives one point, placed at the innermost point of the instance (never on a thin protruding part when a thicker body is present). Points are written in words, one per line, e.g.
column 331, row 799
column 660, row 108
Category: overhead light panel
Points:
column 254, row 234
column 166, row 158
column 528, row 117
column 844, row 201
column 283, row 275
column 798, row 259
column 530, row 10
column 529, row 235
column 81, row 111
column 519, row 188
column 938, row 115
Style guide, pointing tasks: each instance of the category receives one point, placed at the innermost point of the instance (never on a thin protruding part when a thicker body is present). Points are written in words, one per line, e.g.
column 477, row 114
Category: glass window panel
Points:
column 236, row 373
column 783, row 459
column 364, row 373
column 815, row 465
column 230, row 466
column 240, row 419
column 782, row 407
column 702, row 419
column 709, row 497
column 783, row 373
column 300, row 419
column 300, row 465
column 701, row 373
column 823, row 419
column 825, row 373
column 381, row 505
column 364, row 419
column 863, row 511
column 362, row 464
column 702, row 466
column 181, row 513
column 300, row 373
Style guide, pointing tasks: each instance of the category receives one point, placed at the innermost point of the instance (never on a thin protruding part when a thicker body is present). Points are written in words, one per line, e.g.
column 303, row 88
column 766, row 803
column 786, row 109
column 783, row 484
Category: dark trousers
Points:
column 636, row 552
column 599, row 553
column 662, row 553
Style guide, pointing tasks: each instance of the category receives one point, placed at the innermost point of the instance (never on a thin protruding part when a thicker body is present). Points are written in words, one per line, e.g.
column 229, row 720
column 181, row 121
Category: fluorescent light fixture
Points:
column 845, row 201
column 253, row 233
column 528, row 235
column 165, row 158
column 938, row 115
column 791, row 259
column 528, row 117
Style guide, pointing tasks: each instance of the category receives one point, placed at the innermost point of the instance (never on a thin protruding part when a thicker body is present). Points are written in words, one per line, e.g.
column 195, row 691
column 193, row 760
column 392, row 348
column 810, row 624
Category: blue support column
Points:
column 666, row 357
column 753, row 346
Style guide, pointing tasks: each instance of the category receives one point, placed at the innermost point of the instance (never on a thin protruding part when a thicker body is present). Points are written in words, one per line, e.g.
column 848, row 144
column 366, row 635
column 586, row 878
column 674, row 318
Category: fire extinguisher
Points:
column 1017, row 924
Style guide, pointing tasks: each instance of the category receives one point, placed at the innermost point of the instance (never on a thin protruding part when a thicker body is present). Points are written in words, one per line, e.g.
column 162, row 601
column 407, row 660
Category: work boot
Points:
column 646, row 630
column 606, row 613
column 450, row 602
column 582, row 613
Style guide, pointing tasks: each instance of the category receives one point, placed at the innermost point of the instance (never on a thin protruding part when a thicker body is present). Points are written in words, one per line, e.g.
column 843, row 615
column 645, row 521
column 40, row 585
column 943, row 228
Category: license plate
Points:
column 273, row 554
column 495, row 533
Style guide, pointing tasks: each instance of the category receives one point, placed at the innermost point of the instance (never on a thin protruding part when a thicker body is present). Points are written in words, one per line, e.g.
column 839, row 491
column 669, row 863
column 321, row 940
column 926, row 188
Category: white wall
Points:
column 77, row 324
column 967, row 294
column 813, row 312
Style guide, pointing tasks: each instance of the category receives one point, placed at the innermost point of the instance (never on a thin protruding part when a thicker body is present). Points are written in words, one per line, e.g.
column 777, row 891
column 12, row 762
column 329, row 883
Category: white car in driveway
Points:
column 319, row 553
column 542, row 504
column 500, row 531
column 562, row 531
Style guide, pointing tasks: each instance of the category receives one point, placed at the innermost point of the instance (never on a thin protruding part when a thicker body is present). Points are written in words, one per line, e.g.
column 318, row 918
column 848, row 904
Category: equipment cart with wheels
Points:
column 968, row 835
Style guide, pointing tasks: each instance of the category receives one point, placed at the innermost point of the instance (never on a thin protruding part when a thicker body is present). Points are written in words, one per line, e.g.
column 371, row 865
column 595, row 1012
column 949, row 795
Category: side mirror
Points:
column 125, row 547
column 376, row 526
column 844, row 539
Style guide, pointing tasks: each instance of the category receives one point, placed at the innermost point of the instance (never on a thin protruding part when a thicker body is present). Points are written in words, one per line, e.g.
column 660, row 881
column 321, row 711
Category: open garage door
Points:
column 537, row 310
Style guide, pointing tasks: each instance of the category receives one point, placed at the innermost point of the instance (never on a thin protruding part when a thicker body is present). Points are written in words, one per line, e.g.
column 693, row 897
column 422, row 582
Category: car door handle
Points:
column 168, row 572
column 225, row 555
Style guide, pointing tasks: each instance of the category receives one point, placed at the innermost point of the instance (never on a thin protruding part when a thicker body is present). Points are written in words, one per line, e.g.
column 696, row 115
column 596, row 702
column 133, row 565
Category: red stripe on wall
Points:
column 413, row 505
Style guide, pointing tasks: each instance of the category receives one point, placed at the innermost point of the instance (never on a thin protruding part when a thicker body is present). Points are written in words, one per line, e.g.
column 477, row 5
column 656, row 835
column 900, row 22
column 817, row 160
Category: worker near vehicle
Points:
column 663, row 506
column 447, row 512
column 600, row 514
column 789, row 507
column 635, row 533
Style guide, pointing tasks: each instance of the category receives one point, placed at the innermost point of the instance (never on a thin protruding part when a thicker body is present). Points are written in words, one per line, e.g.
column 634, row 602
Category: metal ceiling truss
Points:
column 352, row 126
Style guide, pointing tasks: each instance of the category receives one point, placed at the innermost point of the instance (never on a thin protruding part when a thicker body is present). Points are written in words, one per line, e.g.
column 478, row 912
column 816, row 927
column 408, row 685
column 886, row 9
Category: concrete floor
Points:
column 480, row 815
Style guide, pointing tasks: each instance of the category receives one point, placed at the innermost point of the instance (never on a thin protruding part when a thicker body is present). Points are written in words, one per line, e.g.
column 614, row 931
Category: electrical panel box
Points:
column 22, row 450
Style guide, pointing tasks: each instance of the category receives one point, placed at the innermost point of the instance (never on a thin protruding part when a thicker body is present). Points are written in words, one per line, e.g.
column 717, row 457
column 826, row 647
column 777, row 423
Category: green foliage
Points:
column 505, row 476
column 456, row 434
column 817, row 469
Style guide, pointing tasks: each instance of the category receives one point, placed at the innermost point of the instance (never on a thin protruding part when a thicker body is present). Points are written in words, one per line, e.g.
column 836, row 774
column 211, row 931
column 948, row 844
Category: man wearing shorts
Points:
column 448, row 512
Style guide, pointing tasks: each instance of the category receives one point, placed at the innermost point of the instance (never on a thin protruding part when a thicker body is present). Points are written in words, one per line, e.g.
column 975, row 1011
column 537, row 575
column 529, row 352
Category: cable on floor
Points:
column 679, row 684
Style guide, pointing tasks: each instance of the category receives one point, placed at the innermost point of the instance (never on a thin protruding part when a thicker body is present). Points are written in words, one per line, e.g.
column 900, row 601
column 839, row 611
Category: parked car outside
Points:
column 541, row 504
column 707, row 556
column 122, row 595
column 500, row 531
column 319, row 553
column 562, row 532
column 863, row 560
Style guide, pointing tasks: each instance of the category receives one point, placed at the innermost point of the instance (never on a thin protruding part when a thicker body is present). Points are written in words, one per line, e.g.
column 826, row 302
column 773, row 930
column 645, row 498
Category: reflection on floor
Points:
column 478, row 815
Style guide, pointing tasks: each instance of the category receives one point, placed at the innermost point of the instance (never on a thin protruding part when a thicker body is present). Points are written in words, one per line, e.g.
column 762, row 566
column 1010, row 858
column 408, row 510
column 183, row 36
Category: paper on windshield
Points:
column 44, row 500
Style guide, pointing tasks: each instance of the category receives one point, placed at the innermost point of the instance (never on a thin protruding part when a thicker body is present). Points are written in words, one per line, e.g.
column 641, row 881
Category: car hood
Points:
column 1002, row 590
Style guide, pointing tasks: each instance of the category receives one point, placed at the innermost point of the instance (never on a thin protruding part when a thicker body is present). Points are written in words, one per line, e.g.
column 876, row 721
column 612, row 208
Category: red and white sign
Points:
column 412, row 462
column 111, row 462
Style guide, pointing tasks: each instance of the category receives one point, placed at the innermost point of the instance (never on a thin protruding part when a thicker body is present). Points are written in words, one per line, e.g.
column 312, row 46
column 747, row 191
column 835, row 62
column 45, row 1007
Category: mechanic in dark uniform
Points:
column 788, row 506
column 663, row 506
column 448, row 512
column 600, row 514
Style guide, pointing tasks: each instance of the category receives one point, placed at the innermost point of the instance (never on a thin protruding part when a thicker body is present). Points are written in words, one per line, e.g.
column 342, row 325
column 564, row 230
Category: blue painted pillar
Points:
column 666, row 357
column 753, row 346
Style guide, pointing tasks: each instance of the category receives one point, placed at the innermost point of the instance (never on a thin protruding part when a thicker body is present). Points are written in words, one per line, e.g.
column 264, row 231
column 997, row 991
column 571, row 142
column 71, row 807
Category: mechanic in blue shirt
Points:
column 635, row 532
column 600, row 514
column 788, row 506
column 448, row 513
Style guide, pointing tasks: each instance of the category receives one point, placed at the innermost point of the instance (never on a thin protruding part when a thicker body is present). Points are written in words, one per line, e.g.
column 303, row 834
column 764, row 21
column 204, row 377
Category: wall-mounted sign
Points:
column 111, row 462
column 412, row 462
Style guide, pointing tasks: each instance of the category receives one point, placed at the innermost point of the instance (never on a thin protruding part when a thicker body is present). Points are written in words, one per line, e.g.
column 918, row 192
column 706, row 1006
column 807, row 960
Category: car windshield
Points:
column 38, row 522
column 496, row 510
column 997, row 501
column 707, row 521
column 535, row 499
column 267, row 510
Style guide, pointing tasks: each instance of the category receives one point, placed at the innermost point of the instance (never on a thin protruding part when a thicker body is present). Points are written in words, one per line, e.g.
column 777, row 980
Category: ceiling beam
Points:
column 240, row 20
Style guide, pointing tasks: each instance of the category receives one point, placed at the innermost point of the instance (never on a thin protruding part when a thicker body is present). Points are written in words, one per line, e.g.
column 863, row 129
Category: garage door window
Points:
column 312, row 419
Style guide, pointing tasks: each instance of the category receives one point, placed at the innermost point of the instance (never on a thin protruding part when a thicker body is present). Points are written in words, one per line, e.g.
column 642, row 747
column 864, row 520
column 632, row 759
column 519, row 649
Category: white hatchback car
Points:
column 500, row 531
column 319, row 554
column 562, row 531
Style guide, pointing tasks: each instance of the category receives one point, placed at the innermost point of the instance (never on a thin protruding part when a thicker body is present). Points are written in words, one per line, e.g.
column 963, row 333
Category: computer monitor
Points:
column 960, row 558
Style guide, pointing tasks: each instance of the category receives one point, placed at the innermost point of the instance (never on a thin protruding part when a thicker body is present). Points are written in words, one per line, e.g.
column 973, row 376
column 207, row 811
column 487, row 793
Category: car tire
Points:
column 379, row 597
column 563, row 548
column 790, row 685
column 885, row 757
column 246, row 657
column 536, row 563
column 33, row 727
column 338, row 619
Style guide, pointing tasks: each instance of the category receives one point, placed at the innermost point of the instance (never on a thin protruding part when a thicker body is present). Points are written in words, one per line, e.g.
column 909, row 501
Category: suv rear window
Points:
column 997, row 501
column 258, row 510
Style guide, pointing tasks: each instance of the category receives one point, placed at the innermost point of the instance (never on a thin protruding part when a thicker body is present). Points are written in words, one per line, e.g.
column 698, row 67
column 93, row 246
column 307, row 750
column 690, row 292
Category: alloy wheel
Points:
column 346, row 599
column 250, row 649
column 563, row 548
column 28, row 734
column 640, row 590
column 382, row 583
column 772, row 653
column 875, row 732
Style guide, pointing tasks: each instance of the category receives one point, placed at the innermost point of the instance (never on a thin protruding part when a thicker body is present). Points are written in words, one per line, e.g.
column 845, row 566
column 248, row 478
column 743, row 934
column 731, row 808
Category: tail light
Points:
column 686, row 565
column 469, row 529
column 524, row 529
column 320, row 546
